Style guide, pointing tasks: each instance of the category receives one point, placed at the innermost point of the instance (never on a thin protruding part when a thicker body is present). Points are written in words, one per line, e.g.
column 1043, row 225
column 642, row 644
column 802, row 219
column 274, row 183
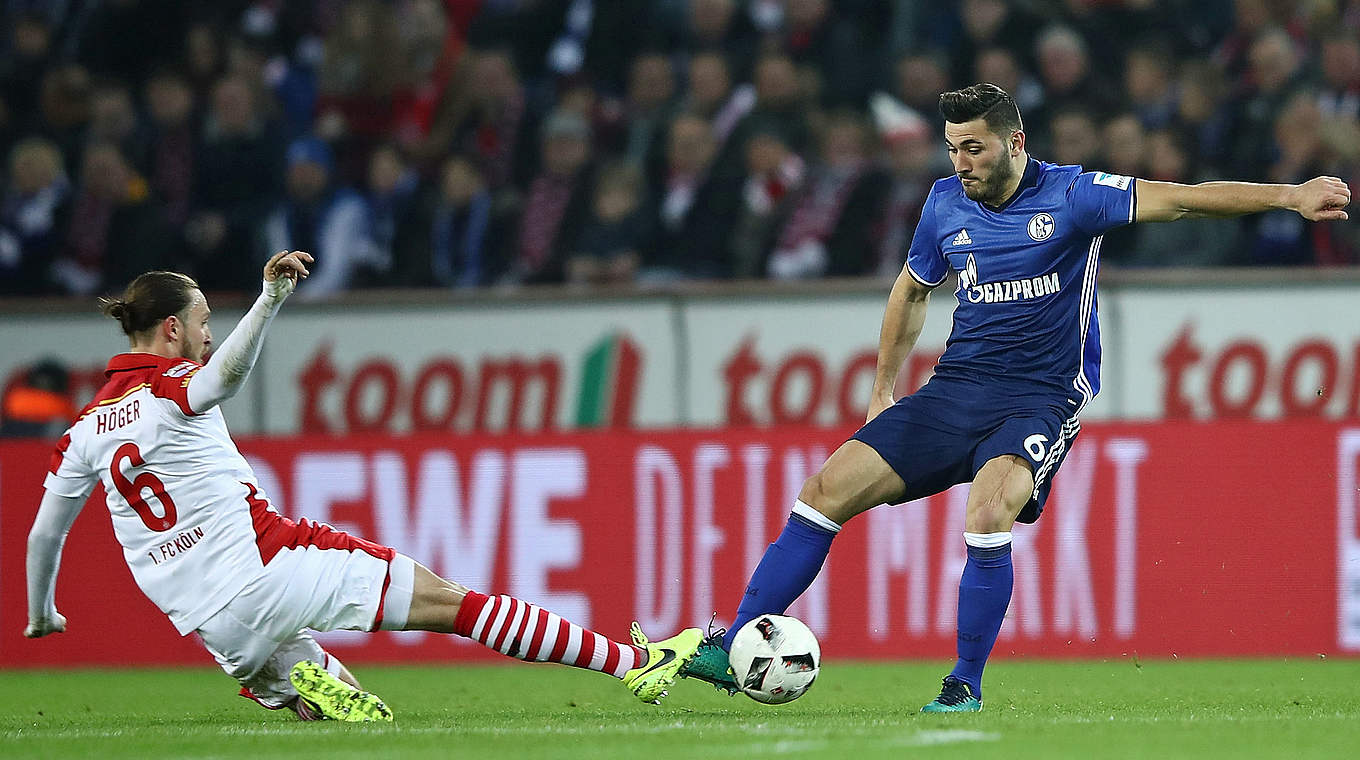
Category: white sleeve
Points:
column 55, row 515
column 230, row 365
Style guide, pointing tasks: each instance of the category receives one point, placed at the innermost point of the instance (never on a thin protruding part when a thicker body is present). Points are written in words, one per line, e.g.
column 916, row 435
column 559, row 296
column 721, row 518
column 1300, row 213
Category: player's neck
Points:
column 158, row 348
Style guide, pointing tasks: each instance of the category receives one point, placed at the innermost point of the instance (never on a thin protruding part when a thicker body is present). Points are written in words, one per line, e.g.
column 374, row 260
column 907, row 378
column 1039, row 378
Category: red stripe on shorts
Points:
column 274, row 533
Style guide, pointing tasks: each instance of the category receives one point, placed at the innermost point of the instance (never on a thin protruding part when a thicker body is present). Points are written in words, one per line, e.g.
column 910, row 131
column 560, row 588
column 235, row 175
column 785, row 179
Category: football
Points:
column 775, row 659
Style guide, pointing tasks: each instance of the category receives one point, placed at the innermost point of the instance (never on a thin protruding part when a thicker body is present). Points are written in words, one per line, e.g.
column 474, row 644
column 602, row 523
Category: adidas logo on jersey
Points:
column 962, row 238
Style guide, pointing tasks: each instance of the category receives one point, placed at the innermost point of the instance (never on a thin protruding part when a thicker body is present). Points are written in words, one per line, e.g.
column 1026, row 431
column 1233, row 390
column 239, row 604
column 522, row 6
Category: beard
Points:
column 989, row 190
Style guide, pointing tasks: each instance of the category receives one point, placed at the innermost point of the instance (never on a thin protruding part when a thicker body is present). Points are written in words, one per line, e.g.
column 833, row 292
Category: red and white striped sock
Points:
column 528, row 632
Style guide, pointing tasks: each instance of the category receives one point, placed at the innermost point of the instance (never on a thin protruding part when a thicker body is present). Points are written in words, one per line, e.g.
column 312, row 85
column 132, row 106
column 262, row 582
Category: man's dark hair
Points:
column 149, row 299
column 982, row 101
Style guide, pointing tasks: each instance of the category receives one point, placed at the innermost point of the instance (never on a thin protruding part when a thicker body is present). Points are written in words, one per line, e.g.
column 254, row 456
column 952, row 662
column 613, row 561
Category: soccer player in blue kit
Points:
column 1022, row 361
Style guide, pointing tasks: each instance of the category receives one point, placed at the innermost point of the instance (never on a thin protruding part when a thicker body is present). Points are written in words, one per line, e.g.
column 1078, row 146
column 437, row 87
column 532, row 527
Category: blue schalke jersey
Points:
column 1026, row 318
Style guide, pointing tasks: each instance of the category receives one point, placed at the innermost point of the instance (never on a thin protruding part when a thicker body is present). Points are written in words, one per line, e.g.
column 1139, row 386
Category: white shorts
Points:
column 259, row 636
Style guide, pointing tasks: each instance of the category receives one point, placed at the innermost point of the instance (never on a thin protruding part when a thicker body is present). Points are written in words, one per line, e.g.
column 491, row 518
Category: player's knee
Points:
column 813, row 493
column 990, row 518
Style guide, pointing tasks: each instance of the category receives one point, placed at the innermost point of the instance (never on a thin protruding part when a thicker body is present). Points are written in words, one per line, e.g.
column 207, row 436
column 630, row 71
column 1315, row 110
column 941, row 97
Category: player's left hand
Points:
column 291, row 265
column 56, row 623
column 1322, row 199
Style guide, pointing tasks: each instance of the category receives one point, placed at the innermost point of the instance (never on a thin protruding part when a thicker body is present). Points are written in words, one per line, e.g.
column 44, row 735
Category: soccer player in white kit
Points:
column 206, row 546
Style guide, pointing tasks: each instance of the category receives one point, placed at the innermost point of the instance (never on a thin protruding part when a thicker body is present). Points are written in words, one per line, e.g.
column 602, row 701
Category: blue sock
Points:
column 789, row 566
column 984, row 594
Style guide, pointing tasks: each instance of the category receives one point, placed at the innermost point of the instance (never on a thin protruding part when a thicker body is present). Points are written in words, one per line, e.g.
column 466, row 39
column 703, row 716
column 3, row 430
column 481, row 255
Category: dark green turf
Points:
column 1245, row 709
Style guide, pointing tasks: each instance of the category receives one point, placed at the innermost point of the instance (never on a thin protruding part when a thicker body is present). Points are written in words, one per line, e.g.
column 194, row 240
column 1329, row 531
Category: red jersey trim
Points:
column 96, row 404
column 59, row 453
column 274, row 533
column 167, row 377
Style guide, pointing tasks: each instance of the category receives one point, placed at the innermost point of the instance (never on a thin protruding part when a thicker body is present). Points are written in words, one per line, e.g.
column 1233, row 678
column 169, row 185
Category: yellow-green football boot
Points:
column 335, row 699
column 649, row 681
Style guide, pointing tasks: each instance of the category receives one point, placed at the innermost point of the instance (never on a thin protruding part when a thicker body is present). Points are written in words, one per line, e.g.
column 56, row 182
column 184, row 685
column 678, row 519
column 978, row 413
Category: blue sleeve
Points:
column 1102, row 201
column 924, row 260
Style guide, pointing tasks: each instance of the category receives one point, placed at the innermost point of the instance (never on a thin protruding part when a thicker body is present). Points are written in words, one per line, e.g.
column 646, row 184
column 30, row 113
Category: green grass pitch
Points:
column 1119, row 708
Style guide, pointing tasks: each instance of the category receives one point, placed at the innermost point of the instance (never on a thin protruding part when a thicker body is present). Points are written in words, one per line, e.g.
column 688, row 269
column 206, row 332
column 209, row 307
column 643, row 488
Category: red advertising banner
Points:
column 1175, row 538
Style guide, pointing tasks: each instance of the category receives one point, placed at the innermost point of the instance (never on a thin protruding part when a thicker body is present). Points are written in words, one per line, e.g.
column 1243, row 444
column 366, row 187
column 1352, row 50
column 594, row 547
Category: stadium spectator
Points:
column 1339, row 97
column 204, row 58
column 718, row 27
column 556, row 201
column 172, row 153
column 116, row 227
column 483, row 115
column 778, row 106
column 391, row 194
column 837, row 49
column 1001, row 67
column 829, row 229
column 1299, row 145
column 1149, row 80
column 1125, row 148
column 1274, row 75
column 33, row 217
column 454, row 237
column 362, row 72
column 1075, row 137
column 39, row 404
column 114, row 120
column 1067, row 77
column 317, row 214
column 911, row 152
column 921, row 77
column 647, row 110
column 1202, row 111
column 29, row 56
column 693, row 208
column 990, row 25
column 774, row 174
column 63, row 110
column 236, row 181
column 712, row 96
column 609, row 248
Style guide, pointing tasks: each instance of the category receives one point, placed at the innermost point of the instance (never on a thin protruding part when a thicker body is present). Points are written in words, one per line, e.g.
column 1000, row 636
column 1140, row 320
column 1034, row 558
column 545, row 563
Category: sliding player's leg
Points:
column 524, row 630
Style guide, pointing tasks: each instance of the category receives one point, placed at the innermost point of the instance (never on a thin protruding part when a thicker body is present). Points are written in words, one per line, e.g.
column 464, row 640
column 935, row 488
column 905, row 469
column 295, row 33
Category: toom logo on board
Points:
column 806, row 386
column 509, row 392
column 1252, row 377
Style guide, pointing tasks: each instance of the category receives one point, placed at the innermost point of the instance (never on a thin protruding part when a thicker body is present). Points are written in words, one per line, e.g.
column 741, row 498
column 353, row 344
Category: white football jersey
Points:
column 194, row 527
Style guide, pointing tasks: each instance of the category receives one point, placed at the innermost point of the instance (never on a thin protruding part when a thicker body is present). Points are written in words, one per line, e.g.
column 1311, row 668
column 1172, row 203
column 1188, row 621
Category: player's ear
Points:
column 1017, row 145
column 170, row 327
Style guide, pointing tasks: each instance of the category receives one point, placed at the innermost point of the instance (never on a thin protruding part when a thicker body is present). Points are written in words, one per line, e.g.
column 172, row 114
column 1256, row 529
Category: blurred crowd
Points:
column 473, row 143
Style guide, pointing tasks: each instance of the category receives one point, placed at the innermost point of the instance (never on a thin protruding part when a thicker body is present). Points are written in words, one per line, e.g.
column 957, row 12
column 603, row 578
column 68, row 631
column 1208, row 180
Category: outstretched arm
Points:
column 55, row 515
column 230, row 365
column 902, row 322
column 1318, row 199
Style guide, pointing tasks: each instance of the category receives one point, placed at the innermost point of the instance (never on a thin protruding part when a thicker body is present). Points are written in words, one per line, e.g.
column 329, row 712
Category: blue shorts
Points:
column 942, row 434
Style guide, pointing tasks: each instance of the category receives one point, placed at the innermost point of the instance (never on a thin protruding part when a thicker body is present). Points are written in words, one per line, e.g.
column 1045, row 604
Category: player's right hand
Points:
column 56, row 623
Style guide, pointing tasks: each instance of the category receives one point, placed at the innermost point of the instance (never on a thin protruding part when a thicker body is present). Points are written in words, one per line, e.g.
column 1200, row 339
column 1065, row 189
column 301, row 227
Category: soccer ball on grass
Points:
column 775, row 659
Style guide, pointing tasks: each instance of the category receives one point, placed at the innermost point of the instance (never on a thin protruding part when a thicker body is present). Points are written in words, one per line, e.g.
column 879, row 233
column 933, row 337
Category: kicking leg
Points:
column 1001, row 489
column 854, row 479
